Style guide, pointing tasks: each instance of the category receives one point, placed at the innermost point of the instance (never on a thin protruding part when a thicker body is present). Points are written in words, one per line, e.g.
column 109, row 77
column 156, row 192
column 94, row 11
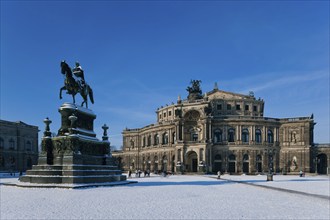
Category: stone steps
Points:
column 71, row 179
column 72, row 174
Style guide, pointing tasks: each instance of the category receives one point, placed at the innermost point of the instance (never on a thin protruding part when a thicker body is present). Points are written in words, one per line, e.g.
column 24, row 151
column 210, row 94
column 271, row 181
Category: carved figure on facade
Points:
column 194, row 90
column 294, row 164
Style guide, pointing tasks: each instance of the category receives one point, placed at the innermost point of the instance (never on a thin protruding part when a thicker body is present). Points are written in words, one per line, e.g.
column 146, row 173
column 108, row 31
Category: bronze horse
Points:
column 73, row 87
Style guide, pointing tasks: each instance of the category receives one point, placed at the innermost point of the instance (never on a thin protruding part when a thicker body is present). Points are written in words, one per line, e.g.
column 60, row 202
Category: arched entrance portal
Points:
column 246, row 163
column 217, row 163
column 259, row 163
column 232, row 163
column 322, row 164
column 191, row 164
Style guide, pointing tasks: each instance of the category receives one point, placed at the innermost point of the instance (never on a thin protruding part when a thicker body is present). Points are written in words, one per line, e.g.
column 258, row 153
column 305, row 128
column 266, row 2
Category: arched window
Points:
column 2, row 143
column 2, row 161
column 217, row 136
column 194, row 133
column 231, row 135
column 149, row 140
column 144, row 141
column 173, row 137
column 270, row 136
column 132, row 144
column 165, row 138
column 245, row 135
column 28, row 146
column 232, row 157
column 246, row 157
column 11, row 144
column 259, row 158
column 194, row 136
column 258, row 136
column 156, row 139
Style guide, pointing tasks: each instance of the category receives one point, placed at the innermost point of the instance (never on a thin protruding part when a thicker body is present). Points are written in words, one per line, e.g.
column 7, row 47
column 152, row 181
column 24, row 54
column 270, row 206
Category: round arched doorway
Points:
column 191, row 164
column 322, row 164
column 246, row 164
column 232, row 163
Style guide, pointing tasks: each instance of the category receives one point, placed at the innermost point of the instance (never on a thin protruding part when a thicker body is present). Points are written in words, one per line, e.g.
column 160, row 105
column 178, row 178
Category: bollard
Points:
column 269, row 177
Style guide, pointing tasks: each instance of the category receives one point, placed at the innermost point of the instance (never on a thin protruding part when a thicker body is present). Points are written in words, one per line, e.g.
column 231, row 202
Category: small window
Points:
column 238, row 107
column 195, row 137
column 169, row 113
column 255, row 108
column 219, row 107
column 160, row 116
column 228, row 107
column 164, row 114
column 246, row 108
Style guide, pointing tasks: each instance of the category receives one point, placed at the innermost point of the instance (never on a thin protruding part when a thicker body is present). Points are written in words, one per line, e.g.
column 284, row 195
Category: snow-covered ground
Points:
column 173, row 197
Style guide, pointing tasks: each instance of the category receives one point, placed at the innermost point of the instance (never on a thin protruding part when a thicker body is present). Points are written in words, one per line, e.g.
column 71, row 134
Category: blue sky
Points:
column 140, row 55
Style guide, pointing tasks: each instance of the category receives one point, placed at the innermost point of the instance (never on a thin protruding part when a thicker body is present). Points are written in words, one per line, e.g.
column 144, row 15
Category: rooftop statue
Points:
column 74, row 86
column 195, row 91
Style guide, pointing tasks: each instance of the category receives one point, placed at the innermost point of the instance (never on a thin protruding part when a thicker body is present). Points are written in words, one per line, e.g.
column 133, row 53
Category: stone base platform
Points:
column 72, row 174
column 66, row 186
column 75, row 155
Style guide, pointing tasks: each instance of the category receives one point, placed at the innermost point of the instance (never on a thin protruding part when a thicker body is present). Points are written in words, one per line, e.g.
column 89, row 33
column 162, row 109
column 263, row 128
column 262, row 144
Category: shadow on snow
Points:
column 183, row 183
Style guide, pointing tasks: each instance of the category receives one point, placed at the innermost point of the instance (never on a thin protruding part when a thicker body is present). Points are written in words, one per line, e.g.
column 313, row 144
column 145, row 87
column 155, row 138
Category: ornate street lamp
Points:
column 270, row 165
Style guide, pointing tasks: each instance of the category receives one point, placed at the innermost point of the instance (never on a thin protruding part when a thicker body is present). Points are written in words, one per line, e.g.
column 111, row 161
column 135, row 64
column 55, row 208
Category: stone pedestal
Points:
column 269, row 177
column 75, row 155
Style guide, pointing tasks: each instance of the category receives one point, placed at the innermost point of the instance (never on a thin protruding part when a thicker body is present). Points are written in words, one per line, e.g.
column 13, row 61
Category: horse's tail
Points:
column 90, row 93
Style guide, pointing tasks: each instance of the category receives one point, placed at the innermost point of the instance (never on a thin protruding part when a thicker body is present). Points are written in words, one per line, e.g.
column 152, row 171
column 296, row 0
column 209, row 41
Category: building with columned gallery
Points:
column 222, row 131
column 18, row 146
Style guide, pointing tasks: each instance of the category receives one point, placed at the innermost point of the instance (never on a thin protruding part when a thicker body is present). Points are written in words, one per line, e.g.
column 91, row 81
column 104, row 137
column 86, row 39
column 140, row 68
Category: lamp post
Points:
column 270, row 165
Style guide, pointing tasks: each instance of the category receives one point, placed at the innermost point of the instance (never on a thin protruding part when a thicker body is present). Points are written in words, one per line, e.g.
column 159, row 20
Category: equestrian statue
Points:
column 75, row 83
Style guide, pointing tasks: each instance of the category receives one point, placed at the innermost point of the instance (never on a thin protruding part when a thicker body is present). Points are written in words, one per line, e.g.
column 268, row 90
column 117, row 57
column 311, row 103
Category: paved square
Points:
column 175, row 197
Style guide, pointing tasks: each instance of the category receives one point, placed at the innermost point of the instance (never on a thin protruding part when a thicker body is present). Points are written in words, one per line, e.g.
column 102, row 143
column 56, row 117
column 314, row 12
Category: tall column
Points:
column 182, row 132
column 251, row 135
column 275, row 135
column 210, row 160
column 204, row 137
column 210, row 131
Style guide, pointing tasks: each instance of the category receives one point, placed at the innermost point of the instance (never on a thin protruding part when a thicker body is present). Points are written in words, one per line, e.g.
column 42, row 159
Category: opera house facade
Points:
column 222, row 131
